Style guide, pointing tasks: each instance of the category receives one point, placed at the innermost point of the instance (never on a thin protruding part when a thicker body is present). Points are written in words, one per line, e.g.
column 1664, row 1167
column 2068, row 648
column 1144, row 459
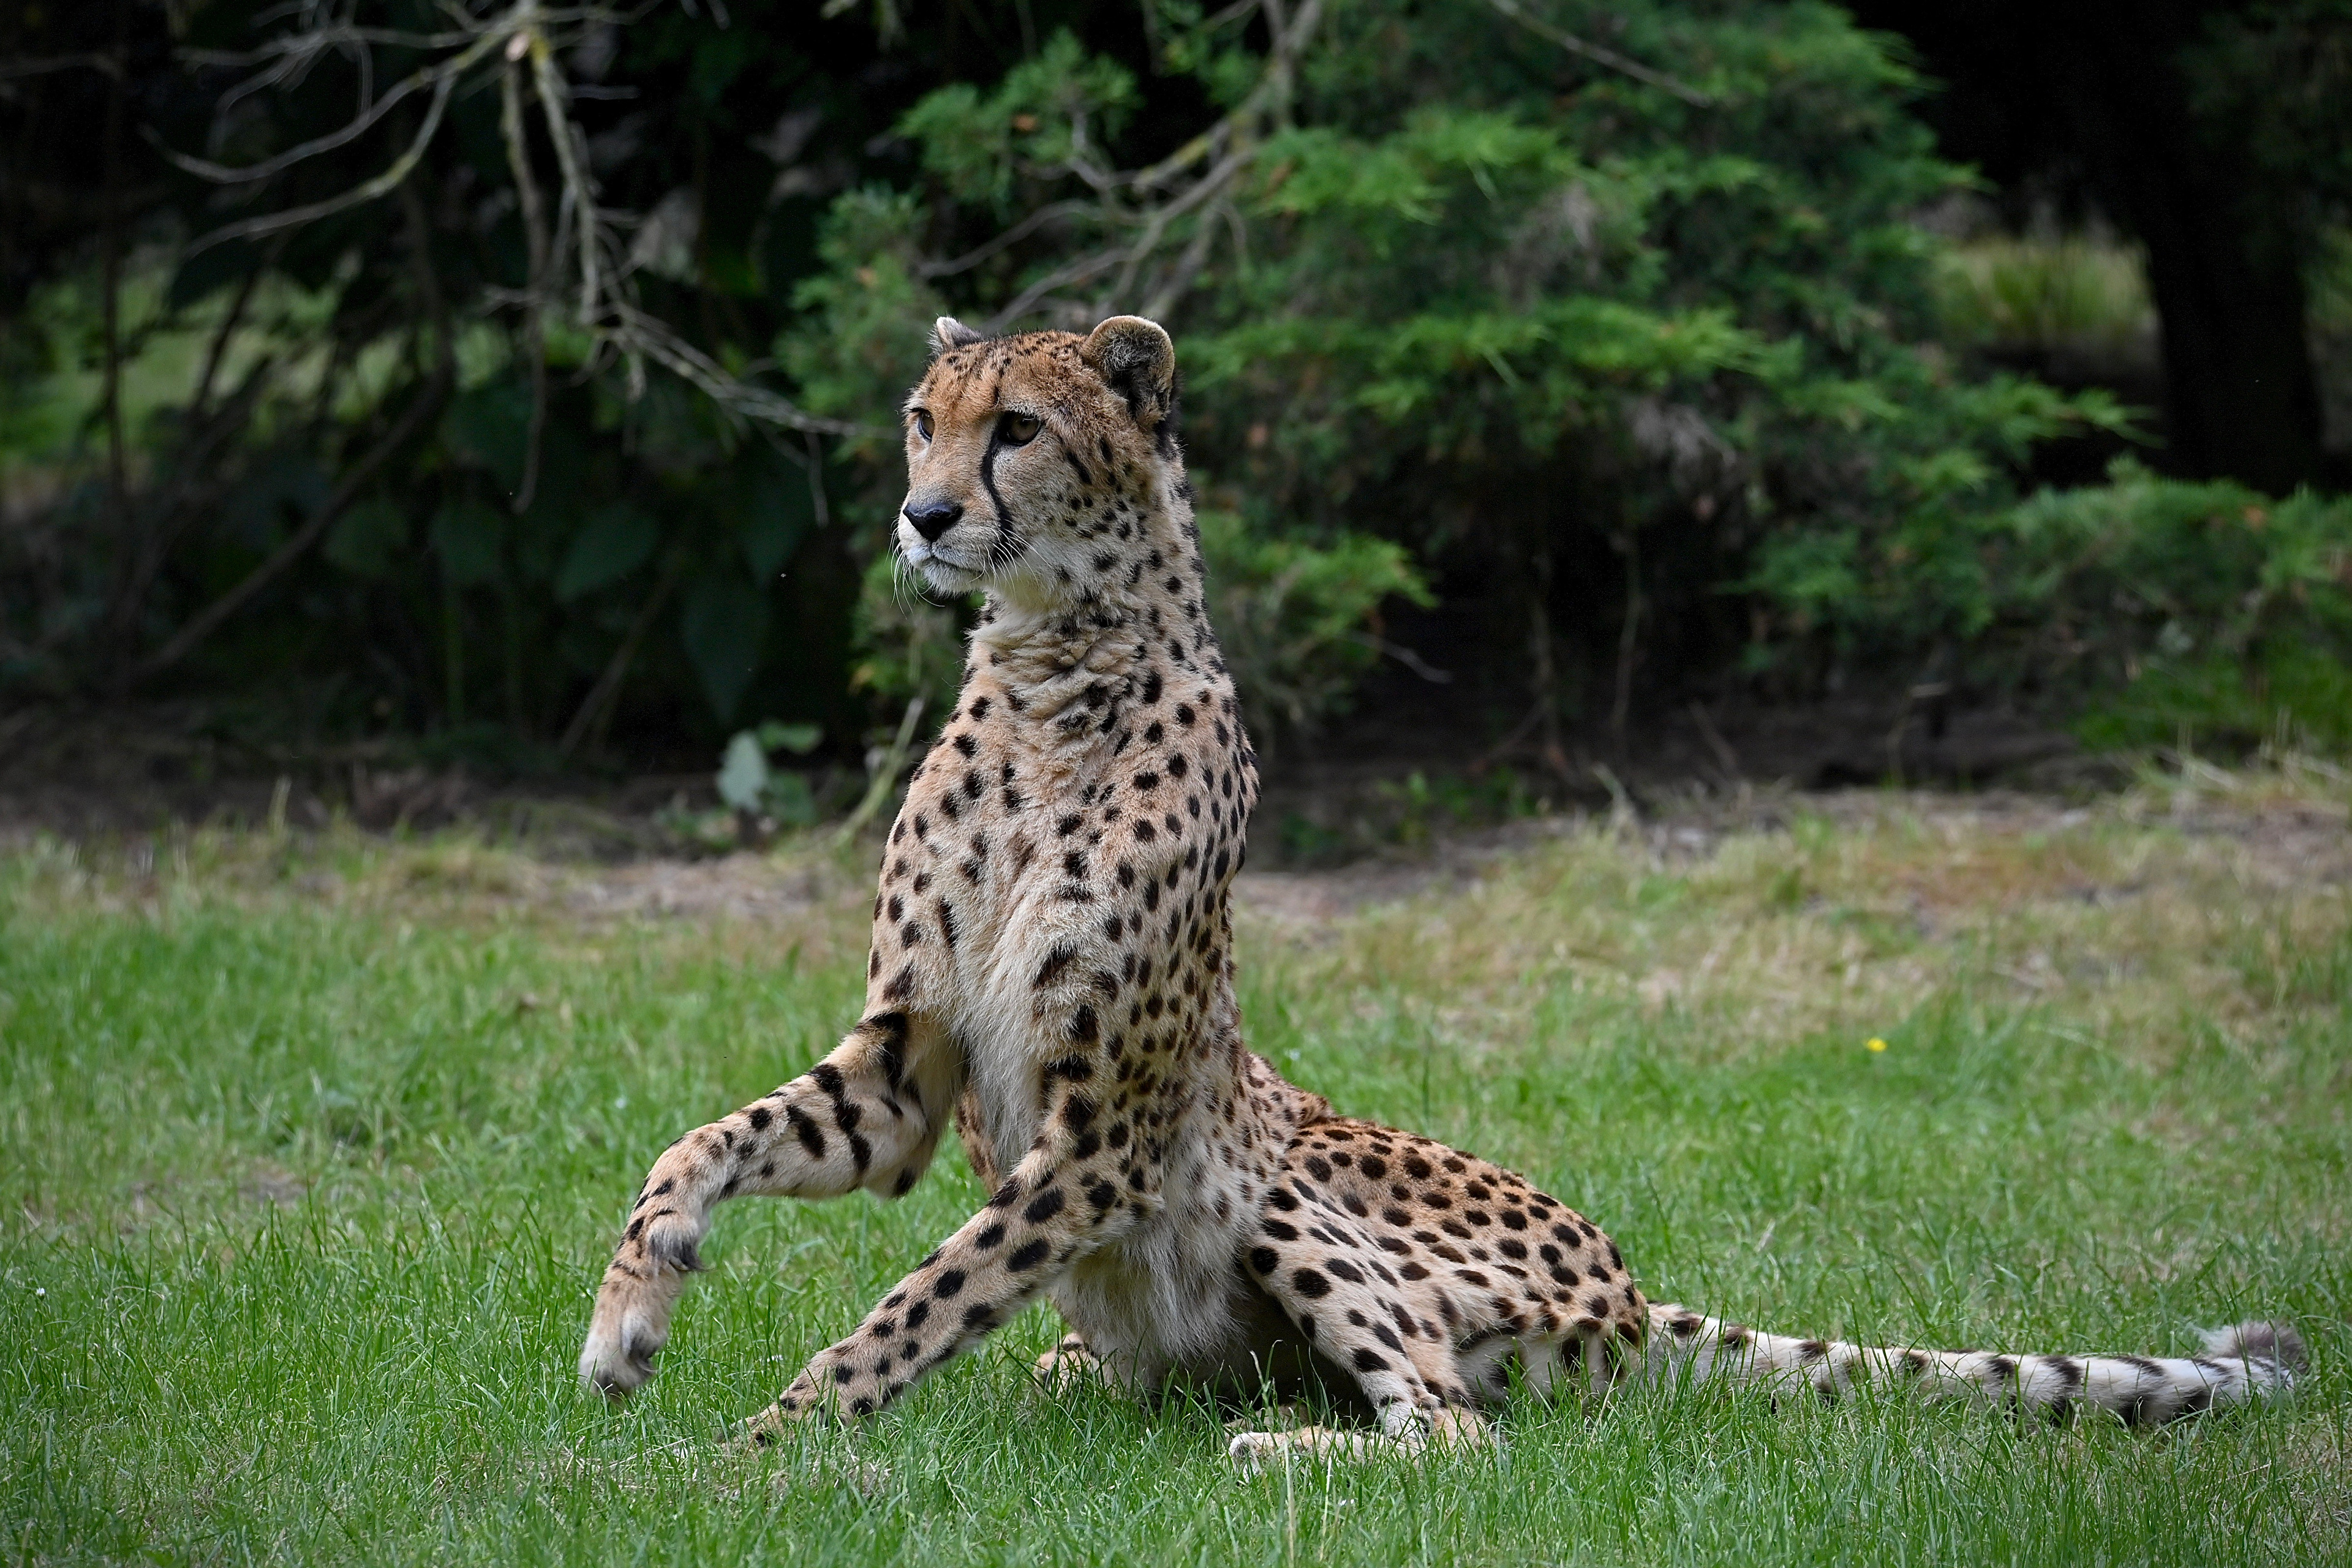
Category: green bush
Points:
column 2166, row 609
column 1543, row 325
column 1298, row 621
column 1634, row 347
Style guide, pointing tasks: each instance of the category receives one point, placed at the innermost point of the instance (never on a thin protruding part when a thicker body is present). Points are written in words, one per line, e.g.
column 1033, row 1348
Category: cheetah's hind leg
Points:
column 1450, row 1430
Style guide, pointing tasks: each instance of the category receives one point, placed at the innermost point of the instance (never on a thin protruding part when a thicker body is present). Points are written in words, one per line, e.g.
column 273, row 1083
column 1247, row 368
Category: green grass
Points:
column 310, row 1156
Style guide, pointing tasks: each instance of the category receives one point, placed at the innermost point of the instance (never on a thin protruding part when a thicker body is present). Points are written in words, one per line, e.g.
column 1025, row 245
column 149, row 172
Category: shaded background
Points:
column 401, row 402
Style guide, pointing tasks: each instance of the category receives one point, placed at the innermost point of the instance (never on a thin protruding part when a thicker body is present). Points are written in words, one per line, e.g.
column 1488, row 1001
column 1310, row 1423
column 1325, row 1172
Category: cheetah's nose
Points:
column 933, row 518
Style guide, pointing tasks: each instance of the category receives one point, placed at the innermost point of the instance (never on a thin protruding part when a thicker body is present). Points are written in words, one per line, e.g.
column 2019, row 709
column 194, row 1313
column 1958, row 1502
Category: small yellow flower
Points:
column 1876, row 1044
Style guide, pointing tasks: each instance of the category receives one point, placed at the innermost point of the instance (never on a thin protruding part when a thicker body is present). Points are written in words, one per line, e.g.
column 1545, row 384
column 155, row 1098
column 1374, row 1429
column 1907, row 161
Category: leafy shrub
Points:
column 1659, row 366
column 1599, row 344
column 2165, row 607
column 1296, row 620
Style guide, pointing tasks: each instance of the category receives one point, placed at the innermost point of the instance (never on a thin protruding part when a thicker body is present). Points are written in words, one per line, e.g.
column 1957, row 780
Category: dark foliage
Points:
column 562, row 425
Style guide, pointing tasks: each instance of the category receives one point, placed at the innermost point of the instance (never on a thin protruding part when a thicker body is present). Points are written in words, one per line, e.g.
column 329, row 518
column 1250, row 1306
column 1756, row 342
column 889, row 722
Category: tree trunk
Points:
column 2096, row 96
column 2223, row 258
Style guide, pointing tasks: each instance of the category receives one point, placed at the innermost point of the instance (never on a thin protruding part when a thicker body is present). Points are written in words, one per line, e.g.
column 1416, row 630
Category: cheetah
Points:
column 1052, row 970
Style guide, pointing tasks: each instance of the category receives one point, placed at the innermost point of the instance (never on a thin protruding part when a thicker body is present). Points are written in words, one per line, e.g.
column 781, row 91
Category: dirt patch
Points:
column 742, row 886
column 128, row 789
column 85, row 773
column 80, row 771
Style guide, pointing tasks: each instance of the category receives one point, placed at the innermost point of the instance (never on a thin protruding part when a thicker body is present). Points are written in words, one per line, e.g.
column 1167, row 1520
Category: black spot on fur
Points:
column 811, row 1135
column 1056, row 960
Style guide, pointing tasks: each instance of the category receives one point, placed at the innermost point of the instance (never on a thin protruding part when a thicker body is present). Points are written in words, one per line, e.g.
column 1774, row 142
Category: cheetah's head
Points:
column 1034, row 462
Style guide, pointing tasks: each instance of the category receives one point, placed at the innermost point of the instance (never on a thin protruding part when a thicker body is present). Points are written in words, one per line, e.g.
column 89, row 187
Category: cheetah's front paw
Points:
column 631, row 1324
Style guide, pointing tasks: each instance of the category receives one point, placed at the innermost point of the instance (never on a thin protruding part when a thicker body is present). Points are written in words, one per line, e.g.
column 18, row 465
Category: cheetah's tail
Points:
column 2251, row 1360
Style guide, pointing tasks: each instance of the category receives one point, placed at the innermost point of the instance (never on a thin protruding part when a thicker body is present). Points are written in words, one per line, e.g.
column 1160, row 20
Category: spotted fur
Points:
column 1051, row 970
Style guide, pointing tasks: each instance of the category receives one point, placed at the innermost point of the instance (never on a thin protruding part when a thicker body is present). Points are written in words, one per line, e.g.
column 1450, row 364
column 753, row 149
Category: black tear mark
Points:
column 988, row 483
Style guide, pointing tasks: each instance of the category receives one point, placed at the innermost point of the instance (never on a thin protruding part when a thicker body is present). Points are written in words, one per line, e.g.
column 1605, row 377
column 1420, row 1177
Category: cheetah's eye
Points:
column 923, row 424
column 1019, row 429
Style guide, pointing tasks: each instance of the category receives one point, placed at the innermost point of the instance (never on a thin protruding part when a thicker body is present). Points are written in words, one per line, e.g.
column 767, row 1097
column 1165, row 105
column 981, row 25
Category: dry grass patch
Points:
column 2132, row 918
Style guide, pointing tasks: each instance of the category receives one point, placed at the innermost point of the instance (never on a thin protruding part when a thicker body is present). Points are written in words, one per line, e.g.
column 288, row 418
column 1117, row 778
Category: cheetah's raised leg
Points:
column 1071, row 1194
column 869, row 1115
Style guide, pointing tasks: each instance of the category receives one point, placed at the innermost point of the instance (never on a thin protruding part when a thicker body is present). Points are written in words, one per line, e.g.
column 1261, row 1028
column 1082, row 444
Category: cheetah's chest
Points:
column 1096, row 870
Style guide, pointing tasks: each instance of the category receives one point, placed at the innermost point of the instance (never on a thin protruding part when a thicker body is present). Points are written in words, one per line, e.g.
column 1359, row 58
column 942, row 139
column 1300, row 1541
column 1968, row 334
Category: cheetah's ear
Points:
column 1136, row 360
column 947, row 332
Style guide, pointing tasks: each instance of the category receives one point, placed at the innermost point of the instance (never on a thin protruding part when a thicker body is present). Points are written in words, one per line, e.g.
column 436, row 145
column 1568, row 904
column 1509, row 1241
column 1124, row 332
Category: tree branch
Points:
column 358, row 196
column 420, row 412
column 591, row 714
column 1224, row 155
column 534, row 230
column 44, row 64
column 1601, row 56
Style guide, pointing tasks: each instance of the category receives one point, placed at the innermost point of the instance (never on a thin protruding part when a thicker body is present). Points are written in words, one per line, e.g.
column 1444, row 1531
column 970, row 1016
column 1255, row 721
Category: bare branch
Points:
column 343, row 35
column 535, row 235
column 1062, row 276
column 43, row 65
column 1196, row 209
column 575, row 251
column 818, row 502
column 578, row 185
column 1052, row 212
column 638, row 333
column 194, row 484
column 358, row 196
column 222, row 174
column 596, row 708
column 231, row 320
column 1601, row 56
